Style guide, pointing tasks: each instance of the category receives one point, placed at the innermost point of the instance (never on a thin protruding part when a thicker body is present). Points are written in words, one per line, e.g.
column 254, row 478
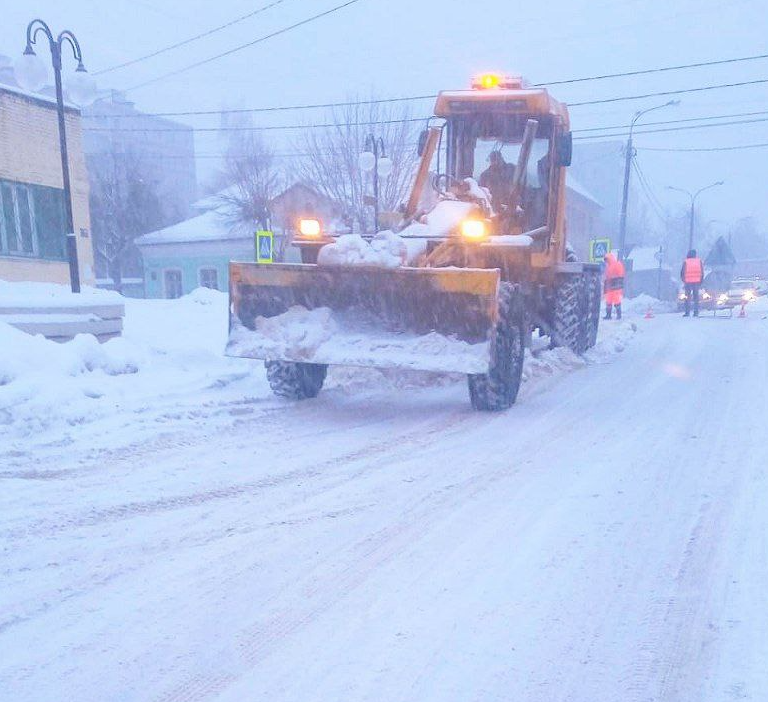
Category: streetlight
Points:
column 693, row 197
column 375, row 159
column 627, row 165
column 32, row 74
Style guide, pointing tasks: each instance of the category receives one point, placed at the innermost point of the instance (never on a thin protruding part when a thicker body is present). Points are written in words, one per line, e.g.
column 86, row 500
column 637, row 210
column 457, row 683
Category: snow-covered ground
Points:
column 170, row 531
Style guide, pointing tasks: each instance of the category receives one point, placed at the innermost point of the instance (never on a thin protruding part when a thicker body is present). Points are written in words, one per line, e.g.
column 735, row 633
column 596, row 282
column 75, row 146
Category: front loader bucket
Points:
column 435, row 319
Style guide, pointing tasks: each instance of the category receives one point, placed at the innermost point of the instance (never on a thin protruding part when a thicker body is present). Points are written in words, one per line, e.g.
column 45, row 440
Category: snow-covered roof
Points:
column 644, row 258
column 577, row 187
column 209, row 226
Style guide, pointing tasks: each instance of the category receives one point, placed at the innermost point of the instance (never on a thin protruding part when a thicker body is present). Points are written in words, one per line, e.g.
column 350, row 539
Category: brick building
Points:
column 32, row 220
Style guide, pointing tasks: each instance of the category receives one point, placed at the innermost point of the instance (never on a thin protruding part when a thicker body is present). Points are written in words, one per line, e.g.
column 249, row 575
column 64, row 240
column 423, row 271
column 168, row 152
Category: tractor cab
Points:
column 513, row 141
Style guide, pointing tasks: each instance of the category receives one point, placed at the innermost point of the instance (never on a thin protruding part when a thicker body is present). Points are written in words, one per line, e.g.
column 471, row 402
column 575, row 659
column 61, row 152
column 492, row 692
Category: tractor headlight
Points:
column 310, row 228
column 474, row 229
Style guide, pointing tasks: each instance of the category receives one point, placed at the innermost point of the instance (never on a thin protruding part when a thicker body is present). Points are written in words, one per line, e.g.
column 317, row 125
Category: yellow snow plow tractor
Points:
column 478, row 262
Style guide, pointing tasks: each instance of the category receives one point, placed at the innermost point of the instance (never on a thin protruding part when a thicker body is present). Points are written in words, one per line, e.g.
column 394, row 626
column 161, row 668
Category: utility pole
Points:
column 628, row 156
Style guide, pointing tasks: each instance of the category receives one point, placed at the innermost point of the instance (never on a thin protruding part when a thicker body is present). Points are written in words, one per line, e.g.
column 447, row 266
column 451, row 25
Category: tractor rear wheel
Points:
column 570, row 314
column 497, row 390
column 295, row 381
column 594, row 296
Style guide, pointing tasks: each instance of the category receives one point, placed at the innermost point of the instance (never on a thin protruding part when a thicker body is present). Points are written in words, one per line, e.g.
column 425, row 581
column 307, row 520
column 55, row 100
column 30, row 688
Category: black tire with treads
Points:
column 570, row 314
column 497, row 390
column 295, row 381
column 594, row 296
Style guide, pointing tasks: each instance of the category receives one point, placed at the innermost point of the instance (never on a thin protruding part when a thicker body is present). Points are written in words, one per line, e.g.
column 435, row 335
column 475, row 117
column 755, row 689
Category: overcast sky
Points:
column 411, row 47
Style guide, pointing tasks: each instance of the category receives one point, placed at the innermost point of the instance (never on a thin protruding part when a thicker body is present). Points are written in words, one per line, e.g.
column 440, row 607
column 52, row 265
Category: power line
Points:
column 673, row 129
column 709, row 148
column 326, row 125
column 179, row 44
column 404, row 120
column 648, row 191
column 647, row 71
column 676, row 121
column 668, row 92
column 229, row 52
column 186, row 113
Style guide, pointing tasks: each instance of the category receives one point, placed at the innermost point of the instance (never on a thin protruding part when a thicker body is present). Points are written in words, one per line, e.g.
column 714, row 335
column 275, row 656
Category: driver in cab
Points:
column 498, row 179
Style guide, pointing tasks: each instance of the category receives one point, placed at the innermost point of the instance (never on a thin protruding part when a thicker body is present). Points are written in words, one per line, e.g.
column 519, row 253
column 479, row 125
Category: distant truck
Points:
column 483, row 285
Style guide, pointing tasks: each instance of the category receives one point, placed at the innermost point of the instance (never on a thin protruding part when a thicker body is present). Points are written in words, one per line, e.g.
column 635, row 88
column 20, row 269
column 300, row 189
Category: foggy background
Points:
column 392, row 48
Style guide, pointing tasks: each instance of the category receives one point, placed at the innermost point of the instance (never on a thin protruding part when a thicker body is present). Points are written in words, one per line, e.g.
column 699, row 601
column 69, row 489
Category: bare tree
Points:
column 124, row 205
column 330, row 162
column 248, row 181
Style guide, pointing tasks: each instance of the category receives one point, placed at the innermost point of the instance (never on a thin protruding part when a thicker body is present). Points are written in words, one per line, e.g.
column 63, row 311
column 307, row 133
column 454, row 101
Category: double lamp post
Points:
column 32, row 75
column 374, row 159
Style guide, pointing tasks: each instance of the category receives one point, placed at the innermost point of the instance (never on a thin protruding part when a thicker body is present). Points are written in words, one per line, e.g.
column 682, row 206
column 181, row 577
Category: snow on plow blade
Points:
column 436, row 319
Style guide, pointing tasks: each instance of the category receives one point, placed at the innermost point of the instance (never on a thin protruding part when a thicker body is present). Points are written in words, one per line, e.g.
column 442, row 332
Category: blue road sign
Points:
column 265, row 247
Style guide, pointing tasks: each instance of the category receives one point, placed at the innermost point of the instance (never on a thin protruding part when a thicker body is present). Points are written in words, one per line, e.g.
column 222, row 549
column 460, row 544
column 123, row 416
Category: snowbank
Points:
column 322, row 336
column 168, row 347
column 52, row 295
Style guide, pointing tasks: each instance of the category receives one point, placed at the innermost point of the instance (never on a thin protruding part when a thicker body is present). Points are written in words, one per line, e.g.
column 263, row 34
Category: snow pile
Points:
column 169, row 347
column 351, row 339
column 386, row 250
column 447, row 215
column 475, row 190
column 297, row 333
column 53, row 295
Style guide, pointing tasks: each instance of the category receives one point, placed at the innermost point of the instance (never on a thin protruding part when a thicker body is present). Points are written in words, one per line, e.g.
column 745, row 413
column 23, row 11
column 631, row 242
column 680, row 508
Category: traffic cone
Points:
column 743, row 311
column 649, row 312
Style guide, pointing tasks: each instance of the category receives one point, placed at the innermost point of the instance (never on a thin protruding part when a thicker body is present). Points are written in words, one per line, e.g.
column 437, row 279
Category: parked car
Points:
column 742, row 291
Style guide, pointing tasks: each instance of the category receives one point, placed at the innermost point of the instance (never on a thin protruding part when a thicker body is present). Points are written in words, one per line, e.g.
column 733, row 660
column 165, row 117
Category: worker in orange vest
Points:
column 613, row 286
column 692, row 273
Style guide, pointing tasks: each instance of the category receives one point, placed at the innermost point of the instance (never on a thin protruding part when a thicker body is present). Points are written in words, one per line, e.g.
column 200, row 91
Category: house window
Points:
column 172, row 283
column 209, row 278
column 32, row 221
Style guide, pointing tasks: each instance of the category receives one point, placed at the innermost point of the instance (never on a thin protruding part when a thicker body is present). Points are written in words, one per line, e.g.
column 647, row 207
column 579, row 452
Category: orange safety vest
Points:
column 693, row 271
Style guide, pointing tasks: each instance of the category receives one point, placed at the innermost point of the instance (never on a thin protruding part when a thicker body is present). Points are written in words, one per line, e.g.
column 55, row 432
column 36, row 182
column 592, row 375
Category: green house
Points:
column 191, row 254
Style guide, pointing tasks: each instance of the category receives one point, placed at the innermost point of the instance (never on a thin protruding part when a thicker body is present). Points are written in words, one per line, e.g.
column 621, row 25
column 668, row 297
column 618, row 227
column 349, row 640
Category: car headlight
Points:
column 705, row 295
column 723, row 298
column 747, row 296
column 681, row 297
column 474, row 229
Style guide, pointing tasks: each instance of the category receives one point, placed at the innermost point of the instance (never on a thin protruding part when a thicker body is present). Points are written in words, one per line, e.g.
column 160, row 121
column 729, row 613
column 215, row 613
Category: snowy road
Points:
column 605, row 540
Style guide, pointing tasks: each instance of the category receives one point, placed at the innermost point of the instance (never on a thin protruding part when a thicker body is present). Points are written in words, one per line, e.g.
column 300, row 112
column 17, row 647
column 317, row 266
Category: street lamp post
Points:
column 693, row 197
column 375, row 159
column 630, row 152
column 31, row 74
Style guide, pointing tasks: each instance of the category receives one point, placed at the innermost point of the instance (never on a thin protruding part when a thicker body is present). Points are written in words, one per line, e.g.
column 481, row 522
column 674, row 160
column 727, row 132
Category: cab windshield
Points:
column 488, row 148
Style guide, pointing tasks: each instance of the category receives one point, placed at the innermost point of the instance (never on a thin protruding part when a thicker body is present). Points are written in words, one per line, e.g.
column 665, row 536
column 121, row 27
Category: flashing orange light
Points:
column 309, row 227
column 495, row 81
column 488, row 81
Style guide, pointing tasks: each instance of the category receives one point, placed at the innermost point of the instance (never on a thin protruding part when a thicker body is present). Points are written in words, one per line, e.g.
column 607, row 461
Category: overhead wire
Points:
column 190, row 40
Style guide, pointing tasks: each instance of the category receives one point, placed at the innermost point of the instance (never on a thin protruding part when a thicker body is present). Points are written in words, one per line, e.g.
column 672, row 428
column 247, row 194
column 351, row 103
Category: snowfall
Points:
column 169, row 530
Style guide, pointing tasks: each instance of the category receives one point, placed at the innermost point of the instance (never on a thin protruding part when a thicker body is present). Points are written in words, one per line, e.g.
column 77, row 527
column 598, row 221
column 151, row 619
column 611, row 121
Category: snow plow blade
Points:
column 434, row 319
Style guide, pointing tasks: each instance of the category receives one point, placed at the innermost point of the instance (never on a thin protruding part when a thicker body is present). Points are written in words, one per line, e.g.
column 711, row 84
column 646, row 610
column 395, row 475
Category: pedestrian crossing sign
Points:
column 598, row 250
column 265, row 247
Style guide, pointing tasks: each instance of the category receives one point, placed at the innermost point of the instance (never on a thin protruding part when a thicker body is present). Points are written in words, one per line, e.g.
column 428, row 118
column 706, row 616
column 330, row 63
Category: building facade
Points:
column 32, row 220
column 143, row 174
column 192, row 254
